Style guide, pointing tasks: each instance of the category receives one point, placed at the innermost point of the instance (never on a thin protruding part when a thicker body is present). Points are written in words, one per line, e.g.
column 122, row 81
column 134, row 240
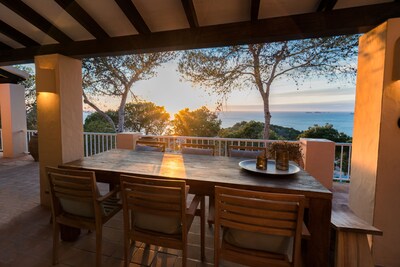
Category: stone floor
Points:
column 26, row 233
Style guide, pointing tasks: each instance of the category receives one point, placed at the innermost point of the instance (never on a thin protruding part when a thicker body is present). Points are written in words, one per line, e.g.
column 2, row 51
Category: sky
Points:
column 169, row 91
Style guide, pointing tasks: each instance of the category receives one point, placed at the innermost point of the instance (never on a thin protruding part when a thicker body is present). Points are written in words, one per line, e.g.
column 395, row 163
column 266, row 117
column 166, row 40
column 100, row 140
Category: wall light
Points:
column 46, row 80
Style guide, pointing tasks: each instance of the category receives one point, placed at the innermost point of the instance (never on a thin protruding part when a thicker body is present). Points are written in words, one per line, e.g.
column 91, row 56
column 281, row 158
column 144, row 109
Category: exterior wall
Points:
column 59, row 97
column 318, row 157
column 374, row 188
column 13, row 119
column 127, row 140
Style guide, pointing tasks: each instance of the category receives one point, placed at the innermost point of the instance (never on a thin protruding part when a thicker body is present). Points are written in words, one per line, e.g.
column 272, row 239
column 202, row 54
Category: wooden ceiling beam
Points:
column 133, row 15
column 326, row 5
column 36, row 19
column 16, row 35
column 190, row 12
column 319, row 24
column 80, row 15
column 255, row 8
column 4, row 46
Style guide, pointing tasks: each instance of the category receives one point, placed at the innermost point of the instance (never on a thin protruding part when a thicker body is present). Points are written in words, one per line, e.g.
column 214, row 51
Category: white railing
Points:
column 342, row 162
column 95, row 143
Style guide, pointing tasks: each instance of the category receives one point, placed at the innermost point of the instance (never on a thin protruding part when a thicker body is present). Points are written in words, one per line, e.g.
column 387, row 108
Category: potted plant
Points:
column 284, row 151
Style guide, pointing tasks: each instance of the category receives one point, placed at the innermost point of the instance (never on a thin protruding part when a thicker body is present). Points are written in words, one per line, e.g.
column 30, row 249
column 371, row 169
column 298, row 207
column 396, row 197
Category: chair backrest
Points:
column 157, row 205
column 260, row 218
column 246, row 151
column 73, row 192
column 198, row 149
column 142, row 145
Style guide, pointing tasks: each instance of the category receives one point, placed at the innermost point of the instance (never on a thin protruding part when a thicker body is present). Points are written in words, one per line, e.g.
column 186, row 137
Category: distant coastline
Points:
column 302, row 120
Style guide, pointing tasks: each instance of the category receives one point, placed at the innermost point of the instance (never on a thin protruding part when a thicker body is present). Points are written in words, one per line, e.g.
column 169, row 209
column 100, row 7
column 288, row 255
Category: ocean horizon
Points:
column 299, row 120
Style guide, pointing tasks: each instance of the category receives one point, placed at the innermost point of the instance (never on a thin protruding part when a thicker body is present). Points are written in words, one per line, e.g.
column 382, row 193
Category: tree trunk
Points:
column 267, row 119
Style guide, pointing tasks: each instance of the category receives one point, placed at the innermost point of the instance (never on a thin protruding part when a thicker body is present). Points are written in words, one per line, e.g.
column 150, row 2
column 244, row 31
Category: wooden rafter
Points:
column 7, row 77
column 16, row 35
column 133, row 15
column 318, row 24
column 255, row 8
column 36, row 19
column 80, row 15
column 3, row 46
column 326, row 5
column 190, row 13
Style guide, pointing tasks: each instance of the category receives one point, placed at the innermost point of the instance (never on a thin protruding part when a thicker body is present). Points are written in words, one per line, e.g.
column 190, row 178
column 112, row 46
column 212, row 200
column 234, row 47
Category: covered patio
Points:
column 26, row 230
column 56, row 35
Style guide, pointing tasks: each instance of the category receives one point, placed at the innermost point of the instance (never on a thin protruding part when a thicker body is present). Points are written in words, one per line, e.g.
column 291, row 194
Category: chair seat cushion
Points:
column 84, row 209
column 157, row 223
column 148, row 148
column 245, row 153
column 197, row 151
column 258, row 241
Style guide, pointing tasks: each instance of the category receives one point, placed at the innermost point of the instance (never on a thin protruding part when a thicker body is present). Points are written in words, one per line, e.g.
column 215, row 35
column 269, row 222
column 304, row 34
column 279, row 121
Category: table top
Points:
column 201, row 170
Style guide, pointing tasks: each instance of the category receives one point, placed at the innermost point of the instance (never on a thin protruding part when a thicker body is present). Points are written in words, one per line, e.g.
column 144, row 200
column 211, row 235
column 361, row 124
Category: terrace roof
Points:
column 81, row 28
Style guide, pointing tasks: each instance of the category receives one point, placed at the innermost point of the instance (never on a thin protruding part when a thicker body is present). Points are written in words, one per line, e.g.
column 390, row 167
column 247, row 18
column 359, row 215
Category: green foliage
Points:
column 30, row 87
column 146, row 117
column 254, row 130
column 327, row 132
column 96, row 123
column 200, row 122
column 31, row 117
column 244, row 129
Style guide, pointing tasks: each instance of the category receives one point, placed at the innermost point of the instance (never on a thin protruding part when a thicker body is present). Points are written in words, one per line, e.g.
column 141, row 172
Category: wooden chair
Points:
column 156, row 212
column 76, row 202
column 142, row 145
column 259, row 228
column 198, row 149
column 246, row 151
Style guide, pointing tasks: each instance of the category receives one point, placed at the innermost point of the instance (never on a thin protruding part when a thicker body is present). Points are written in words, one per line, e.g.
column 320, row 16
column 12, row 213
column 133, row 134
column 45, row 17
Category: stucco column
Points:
column 127, row 140
column 60, row 119
column 318, row 157
column 375, row 184
column 13, row 119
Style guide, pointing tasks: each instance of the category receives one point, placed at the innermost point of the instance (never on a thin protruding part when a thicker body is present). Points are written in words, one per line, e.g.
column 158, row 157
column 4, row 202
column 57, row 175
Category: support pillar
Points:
column 318, row 157
column 374, row 187
column 60, row 119
column 13, row 119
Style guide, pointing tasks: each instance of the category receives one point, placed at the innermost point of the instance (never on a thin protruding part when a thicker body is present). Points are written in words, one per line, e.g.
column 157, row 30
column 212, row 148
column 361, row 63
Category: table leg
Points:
column 319, row 223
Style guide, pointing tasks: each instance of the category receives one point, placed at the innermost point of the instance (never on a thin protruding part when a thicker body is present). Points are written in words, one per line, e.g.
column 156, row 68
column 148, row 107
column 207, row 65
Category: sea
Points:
column 341, row 121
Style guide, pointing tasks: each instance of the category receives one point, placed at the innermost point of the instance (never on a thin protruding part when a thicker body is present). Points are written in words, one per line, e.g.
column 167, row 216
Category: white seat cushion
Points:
column 197, row 151
column 156, row 223
column 148, row 148
column 258, row 241
column 245, row 153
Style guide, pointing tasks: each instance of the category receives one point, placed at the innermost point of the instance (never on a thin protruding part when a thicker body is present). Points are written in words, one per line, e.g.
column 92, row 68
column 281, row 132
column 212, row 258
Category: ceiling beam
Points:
column 8, row 77
column 133, row 15
column 190, row 12
column 255, row 8
column 16, row 35
column 36, row 19
column 4, row 46
column 80, row 15
column 319, row 24
column 326, row 5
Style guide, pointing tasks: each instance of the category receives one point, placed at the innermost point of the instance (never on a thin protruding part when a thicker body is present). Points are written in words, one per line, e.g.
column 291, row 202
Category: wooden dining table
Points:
column 202, row 173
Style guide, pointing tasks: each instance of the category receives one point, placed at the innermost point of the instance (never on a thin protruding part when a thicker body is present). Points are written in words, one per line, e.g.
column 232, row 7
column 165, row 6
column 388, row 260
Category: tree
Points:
column 244, row 129
column 96, row 123
column 200, row 122
column 255, row 130
column 259, row 66
column 327, row 132
column 146, row 117
column 114, row 77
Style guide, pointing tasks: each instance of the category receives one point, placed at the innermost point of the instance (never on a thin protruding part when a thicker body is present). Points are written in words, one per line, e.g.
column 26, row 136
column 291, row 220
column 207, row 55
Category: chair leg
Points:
column 99, row 241
column 56, row 240
column 184, row 256
column 203, row 227
column 211, row 207
column 127, row 249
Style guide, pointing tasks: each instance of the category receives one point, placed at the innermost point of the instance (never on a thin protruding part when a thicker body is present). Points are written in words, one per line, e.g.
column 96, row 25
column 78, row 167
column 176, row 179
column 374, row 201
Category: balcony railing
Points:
column 95, row 143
